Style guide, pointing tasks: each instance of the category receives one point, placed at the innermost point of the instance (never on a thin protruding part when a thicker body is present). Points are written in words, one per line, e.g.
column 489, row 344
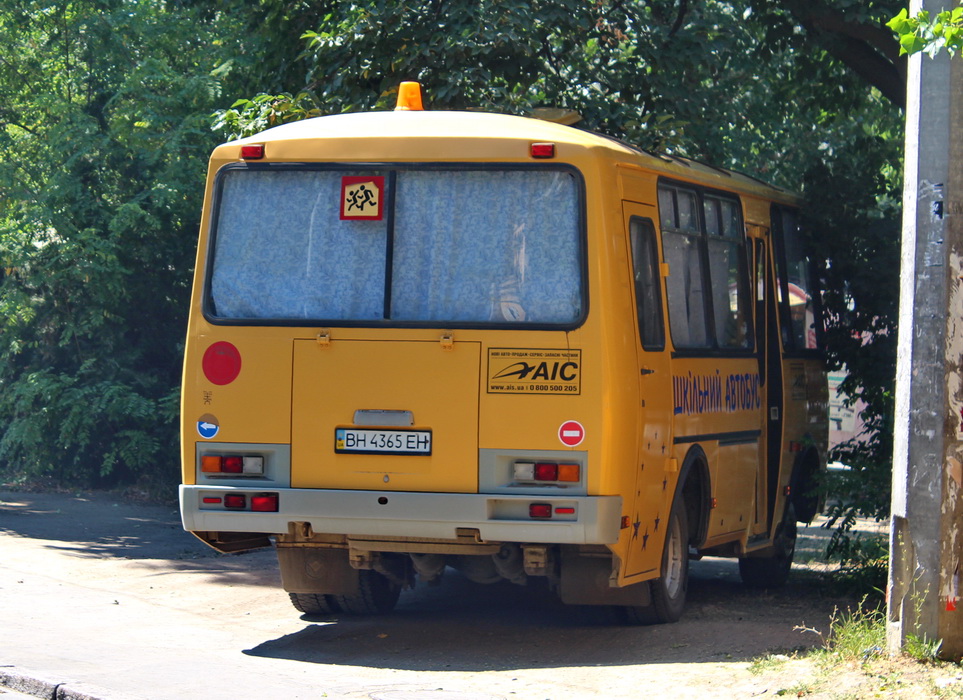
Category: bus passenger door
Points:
column 769, row 351
column 653, row 497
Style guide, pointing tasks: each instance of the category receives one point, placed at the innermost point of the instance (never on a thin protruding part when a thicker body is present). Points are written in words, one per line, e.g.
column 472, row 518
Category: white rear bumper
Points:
column 497, row 517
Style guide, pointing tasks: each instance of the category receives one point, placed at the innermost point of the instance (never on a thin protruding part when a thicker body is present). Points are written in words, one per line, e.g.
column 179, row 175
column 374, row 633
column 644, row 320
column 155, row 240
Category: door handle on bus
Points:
column 646, row 370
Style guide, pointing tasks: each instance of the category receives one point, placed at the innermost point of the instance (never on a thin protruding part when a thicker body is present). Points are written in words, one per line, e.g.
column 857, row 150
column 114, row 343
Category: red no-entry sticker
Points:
column 571, row 433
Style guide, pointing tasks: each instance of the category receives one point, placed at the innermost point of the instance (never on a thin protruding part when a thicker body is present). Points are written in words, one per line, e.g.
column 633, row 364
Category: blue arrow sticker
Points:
column 207, row 429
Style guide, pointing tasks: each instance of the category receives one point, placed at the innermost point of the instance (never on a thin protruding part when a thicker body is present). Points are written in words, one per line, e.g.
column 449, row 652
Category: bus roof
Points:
column 474, row 127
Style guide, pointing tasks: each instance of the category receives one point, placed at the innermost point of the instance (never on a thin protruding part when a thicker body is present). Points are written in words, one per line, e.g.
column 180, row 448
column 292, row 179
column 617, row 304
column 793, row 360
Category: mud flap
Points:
column 585, row 581
column 316, row 570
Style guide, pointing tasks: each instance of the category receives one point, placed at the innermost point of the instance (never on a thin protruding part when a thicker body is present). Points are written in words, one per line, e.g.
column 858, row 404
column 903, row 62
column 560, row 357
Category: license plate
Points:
column 377, row 442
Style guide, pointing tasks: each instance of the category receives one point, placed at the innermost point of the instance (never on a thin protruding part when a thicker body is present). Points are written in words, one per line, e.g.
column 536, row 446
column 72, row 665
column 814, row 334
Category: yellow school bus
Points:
column 423, row 339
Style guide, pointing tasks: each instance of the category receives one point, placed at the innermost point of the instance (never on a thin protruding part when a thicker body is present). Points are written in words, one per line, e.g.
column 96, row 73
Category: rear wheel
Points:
column 772, row 571
column 669, row 590
column 375, row 595
column 315, row 603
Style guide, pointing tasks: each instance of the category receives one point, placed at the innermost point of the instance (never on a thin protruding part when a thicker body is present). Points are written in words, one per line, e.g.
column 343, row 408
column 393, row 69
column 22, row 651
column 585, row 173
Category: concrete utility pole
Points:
column 926, row 532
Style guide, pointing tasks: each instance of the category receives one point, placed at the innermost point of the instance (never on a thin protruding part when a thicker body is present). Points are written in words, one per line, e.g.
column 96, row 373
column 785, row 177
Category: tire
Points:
column 315, row 603
column 773, row 571
column 669, row 590
column 376, row 595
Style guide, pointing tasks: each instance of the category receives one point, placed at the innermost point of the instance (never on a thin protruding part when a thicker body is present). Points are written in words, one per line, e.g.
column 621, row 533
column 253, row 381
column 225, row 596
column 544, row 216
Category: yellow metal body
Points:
column 297, row 384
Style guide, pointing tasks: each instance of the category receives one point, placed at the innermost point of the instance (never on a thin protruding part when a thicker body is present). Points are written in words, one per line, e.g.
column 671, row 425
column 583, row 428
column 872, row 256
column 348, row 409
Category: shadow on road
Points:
column 97, row 525
column 457, row 626
column 461, row 626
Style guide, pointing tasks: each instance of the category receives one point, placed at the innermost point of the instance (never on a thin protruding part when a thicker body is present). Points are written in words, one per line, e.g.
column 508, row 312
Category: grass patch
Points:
column 851, row 663
column 768, row 664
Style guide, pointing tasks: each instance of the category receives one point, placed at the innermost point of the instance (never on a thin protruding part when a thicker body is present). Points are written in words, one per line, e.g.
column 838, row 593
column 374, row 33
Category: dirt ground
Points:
column 115, row 595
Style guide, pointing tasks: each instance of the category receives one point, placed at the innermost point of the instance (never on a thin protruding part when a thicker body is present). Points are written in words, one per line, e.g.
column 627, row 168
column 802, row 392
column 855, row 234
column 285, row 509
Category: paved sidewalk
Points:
column 101, row 600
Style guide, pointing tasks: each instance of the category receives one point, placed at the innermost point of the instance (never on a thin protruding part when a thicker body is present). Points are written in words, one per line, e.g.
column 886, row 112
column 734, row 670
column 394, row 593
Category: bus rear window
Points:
column 428, row 246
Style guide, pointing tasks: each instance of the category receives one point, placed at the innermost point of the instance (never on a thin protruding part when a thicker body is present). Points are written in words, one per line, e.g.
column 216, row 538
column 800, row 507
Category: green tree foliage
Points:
column 850, row 32
column 927, row 33
column 103, row 145
column 804, row 94
column 105, row 135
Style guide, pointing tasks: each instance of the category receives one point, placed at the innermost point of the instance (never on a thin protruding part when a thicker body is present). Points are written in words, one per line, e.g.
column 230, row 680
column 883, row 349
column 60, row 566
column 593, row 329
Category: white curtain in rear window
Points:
column 486, row 246
column 283, row 252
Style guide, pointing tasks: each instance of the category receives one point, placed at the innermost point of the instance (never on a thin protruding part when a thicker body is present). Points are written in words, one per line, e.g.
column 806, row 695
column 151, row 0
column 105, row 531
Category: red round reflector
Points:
column 221, row 363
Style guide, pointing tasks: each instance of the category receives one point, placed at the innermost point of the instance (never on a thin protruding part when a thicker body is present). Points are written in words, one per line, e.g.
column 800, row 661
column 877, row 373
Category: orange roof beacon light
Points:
column 409, row 97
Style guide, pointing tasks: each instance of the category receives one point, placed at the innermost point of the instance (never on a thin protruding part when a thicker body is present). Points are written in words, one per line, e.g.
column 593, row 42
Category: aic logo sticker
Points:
column 530, row 371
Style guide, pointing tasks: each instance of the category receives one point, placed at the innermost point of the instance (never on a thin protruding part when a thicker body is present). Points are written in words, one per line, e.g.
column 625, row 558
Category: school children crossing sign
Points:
column 361, row 198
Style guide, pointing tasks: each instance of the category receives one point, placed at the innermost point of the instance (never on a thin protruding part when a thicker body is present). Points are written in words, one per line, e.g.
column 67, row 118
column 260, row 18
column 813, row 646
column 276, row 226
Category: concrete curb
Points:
column 36, row 685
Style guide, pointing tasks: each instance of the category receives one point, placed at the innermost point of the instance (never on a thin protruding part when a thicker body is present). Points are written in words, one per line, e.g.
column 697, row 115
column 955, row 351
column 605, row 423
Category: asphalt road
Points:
column 113, row 600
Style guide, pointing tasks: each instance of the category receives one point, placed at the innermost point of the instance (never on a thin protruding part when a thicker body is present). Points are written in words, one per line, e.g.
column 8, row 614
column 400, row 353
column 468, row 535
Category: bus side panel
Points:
column 655, row 472
column 718, row 403
column 255, row 407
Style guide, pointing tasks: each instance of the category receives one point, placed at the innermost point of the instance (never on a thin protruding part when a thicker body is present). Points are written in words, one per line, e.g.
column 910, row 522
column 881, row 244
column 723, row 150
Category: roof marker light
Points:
column 409, row 97
column 252, row 152
column 542, row 150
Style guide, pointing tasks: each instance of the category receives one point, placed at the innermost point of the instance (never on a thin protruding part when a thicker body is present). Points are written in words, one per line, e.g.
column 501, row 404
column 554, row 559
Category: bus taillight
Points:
column 232, row 464
column 250, row 465
column 249, row 502
column 546, row 472
column 265, row 503
column 569, row 472
column 211, row 464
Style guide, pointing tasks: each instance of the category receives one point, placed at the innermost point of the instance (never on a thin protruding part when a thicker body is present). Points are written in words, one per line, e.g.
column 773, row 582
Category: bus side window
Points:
column 648, row 297
column 728, row 272
column 798, row 295
column 682, row 248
